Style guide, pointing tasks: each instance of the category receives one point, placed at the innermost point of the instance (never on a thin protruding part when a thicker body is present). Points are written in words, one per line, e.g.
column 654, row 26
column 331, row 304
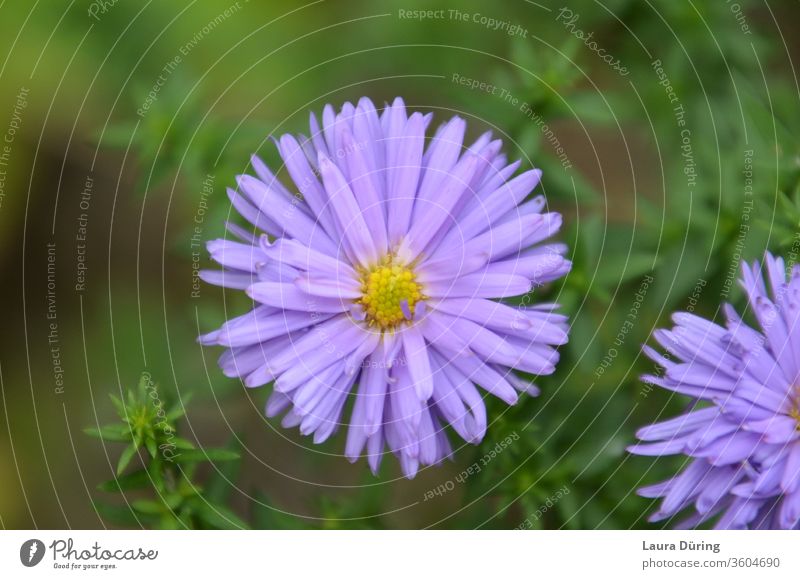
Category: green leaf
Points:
column 170, row 522
column 180, row 409
column 111, row 432
column 119, row 406
column 221, row 481
column 588, row 107
column 125, row 457
column 173, row 500
column 152, row 448
column 157, row 475
column 183, row 444
column 148, row 507
column 136, row 480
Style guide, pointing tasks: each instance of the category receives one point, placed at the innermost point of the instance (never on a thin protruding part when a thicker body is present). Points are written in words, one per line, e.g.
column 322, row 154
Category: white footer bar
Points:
column 407, row 554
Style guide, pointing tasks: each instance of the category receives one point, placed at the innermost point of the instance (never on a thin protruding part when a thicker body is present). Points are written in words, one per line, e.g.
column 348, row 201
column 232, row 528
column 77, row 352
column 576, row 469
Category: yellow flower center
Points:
column 795, row 413
column 389, row 293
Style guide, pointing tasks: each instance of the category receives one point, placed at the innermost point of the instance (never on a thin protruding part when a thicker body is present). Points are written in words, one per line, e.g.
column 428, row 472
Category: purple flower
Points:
column 742, row 432
column 378, row 280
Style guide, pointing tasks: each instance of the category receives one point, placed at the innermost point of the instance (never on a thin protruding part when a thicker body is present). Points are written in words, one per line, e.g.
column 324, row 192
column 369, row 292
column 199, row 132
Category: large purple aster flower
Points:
column 742, row 433
column 379, row 278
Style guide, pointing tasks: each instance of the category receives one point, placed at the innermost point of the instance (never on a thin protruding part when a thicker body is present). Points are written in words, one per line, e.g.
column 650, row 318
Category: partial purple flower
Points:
column 741, row 434
column 378, row 276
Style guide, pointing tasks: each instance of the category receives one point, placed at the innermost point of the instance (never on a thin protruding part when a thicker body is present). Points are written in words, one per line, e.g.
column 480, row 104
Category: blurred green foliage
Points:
column 165, row 468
